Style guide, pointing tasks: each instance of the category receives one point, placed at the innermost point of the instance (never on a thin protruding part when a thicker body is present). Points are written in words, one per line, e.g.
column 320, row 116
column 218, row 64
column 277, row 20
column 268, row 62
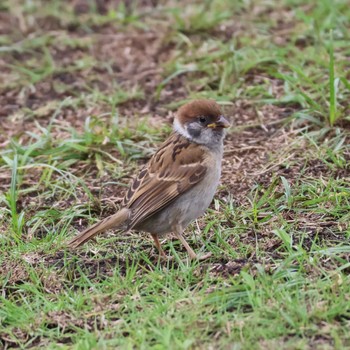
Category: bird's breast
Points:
column 189, row 205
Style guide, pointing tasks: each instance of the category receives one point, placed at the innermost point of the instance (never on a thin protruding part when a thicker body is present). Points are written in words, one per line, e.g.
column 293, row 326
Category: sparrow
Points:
column 179, row 181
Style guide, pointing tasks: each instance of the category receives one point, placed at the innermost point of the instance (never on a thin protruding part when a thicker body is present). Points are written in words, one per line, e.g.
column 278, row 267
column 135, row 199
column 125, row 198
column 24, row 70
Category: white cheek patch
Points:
column 181, row 130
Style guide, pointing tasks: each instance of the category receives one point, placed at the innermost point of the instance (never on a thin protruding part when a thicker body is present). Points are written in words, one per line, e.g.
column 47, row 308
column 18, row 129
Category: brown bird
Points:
column 179, row 181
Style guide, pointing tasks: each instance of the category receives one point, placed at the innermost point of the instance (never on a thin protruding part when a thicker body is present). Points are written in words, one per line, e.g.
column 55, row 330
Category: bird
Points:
column 178, row 183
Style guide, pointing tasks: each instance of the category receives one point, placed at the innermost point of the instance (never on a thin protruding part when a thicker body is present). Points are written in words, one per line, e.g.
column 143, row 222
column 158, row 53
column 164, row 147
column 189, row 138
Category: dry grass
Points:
column 88, row 91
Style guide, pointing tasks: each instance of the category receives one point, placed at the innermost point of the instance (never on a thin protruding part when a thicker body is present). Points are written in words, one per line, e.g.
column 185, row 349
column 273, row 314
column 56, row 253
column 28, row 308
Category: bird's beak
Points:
column 222, row 122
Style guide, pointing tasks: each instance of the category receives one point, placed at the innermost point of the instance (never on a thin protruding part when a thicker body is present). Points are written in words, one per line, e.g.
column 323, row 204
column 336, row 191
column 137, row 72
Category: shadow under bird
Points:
column 178, row 183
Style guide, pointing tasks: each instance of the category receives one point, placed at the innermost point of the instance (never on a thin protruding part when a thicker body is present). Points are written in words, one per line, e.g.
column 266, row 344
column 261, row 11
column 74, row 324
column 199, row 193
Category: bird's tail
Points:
column 112, row 221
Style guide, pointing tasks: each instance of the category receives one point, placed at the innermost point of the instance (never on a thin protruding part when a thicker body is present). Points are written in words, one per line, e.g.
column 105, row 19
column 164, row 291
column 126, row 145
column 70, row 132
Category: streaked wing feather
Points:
column 170, row 172
column 150, row 206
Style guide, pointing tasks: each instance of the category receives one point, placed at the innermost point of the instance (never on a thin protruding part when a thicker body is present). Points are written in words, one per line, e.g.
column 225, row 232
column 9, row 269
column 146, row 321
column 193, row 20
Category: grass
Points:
column 88, row 91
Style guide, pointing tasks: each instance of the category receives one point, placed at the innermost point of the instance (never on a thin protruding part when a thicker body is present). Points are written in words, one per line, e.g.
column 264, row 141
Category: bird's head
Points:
column 201, row 121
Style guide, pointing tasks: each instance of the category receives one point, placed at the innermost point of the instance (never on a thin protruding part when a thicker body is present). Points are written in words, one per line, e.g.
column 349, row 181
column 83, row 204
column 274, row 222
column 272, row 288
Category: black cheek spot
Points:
column 194, row 131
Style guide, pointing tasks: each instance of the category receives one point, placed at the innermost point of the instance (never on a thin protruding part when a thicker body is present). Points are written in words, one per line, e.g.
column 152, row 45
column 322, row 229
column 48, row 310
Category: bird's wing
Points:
column 175, row 168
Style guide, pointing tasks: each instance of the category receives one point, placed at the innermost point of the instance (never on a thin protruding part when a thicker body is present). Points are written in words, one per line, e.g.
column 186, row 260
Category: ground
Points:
column 89, row 90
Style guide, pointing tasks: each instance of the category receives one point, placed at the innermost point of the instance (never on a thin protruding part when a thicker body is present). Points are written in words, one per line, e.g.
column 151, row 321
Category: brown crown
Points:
column 196, row 108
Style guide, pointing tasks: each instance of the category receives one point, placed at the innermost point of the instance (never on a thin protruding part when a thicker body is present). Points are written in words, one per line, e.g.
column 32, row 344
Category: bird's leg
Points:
column 178, row 233
column 157, row 243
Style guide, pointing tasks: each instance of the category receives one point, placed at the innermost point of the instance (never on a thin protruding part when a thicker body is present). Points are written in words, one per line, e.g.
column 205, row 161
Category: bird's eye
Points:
column 202, row 119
